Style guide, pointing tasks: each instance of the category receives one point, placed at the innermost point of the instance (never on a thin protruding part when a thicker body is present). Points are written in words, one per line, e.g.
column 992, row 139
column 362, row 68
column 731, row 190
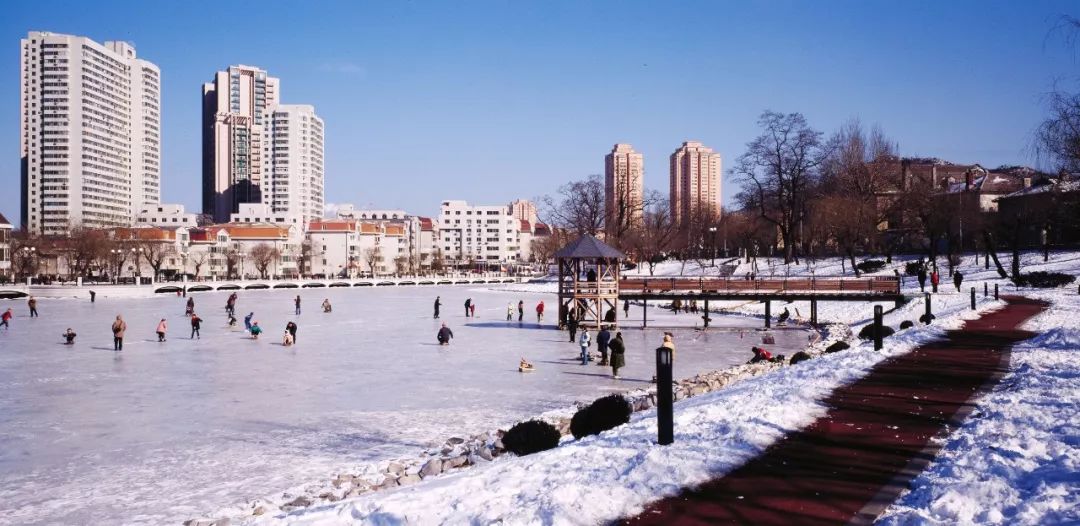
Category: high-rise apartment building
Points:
column 90, row 133
column 292, row 181
column 624, row 170
column 524, row 210
column 695, row 182
column 236, row 108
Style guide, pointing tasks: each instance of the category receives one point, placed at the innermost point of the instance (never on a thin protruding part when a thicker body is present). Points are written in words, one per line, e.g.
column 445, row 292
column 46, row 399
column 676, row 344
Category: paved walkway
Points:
column 849, row 465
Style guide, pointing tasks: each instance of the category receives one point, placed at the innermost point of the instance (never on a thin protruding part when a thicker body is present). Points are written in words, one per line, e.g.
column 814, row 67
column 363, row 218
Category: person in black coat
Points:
column 468, row 305
column 957, row 279
column 444, row 335
column 437, row 305
column 922, row 279
column 618, row 354
column 602, row 339
column 571, row 325
column 291, row 327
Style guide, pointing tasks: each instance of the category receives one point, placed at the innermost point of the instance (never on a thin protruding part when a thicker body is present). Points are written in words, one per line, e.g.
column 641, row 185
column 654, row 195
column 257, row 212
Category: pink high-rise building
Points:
column 624, row 170
column 695, row 182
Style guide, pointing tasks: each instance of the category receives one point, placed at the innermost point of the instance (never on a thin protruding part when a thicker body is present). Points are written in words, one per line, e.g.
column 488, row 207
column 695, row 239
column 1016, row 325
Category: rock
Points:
column 697, row 390
column 259, row 510
column 485, row 454
column 455, row 441
column 408, row 479
column 388, row 482
column 206, row 522
column 455, row 462
column 298, row 502
column 342, row 480
column 431, row 468
column 395, row 468
column 499, row 444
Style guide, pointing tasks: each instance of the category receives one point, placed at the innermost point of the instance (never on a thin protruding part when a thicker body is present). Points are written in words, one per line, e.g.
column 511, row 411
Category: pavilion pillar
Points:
column 768, row 314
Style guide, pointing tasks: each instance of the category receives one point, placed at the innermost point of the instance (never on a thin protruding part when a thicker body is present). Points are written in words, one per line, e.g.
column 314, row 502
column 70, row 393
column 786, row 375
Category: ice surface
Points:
column 162, row 432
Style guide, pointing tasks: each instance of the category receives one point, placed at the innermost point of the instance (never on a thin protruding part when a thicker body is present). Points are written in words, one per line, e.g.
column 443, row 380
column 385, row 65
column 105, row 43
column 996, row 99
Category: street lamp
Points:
column 664, row 397
column 712, row 234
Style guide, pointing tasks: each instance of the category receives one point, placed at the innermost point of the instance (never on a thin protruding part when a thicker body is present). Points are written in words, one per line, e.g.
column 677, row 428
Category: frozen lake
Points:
column 163, row 432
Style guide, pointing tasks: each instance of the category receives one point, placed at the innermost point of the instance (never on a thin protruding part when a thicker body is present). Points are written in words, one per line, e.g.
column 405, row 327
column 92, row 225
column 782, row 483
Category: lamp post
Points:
column 665, row 420
column 712, row 234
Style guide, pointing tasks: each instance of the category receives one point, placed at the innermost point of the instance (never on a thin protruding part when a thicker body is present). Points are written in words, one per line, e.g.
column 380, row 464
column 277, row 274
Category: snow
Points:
column 161, row 433
column 1014, row 461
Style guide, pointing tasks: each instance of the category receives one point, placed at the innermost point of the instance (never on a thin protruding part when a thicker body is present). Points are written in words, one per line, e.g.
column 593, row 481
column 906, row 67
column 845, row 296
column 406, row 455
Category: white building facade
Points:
column 90, row 133
column 293, row 152
column 165, row 215
column 468, row 234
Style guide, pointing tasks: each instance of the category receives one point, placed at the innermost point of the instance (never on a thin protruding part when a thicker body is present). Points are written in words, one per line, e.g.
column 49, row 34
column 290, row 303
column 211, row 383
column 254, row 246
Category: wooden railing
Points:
column 884, row 285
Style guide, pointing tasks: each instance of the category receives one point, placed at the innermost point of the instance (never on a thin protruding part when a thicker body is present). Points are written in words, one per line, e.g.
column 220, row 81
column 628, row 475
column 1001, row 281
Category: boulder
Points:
column 388, row 482
column 259, row 510
column 455, row 462
column 455, row 441
column 342, row 480
column 206, row 522
column 408, row 479
column 431, row 468
column 395, row 468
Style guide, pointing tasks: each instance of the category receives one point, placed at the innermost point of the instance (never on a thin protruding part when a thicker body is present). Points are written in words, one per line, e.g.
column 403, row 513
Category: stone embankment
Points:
column 458, row 453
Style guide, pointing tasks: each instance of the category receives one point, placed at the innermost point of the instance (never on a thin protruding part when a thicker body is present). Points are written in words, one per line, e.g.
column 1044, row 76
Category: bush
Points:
column 531, row 437
column 867, row 333
column 605, row 413
column 1045, row 280
column 799, row 357
column 906, row 324
column 870, row 265
column 912, row 268
column 838, row 346
column 927, row 318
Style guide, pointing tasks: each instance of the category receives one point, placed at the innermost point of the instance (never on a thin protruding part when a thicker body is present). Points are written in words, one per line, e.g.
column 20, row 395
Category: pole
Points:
column 995, row 291
column 665, row 421
column 929, row 309
column 768, row 314
column 706, row 317
column 986, row 289
column 877, row 327
column 972, row 298
column 644, row 314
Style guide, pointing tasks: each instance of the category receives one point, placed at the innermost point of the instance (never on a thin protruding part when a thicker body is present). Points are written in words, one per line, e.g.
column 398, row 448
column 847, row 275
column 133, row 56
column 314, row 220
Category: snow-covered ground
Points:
column 163, row 432
column 1014, row 461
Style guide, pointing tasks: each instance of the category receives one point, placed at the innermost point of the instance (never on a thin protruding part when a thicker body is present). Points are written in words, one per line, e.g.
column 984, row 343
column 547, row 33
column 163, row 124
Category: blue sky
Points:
column 491, row 101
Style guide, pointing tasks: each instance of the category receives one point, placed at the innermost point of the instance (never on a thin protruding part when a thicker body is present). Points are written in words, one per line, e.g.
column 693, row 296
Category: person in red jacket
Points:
column 935, row 278
column 5, row 319
column 540, row 311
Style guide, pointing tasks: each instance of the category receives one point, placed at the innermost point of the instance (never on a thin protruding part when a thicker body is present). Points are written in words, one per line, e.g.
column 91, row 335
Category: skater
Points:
column 162, row 326
column 438, row 303
column 287, row 340
column 69, row 337
column 935, row 279
column 5, row 319
column 472, row 310
column 626, row 308
column 291, row 327
column 957, row 279
column 540, row 311
column 231, row 321
column 571, row 325
column 297, row 301
column 584, row 341
column 521, row 311
column 444, row 335
column 118, row 328
column 230, row 304
column 190, row 309
column 93, row 296
column 326, row 305
column 618, row 354
column 468, row 306
column 922, row 278
column 509, row 311
column 247, row 321
column 32, row 303
column 783, row 317
column 196, row 324
column 255, row 331
column 603, row 339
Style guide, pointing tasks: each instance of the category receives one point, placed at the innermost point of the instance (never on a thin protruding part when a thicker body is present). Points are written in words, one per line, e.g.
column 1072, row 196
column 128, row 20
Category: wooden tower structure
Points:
column 589, row 282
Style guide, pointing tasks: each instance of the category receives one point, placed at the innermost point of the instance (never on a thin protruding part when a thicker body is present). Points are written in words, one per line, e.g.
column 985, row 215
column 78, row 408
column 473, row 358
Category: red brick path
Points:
column 849, row 465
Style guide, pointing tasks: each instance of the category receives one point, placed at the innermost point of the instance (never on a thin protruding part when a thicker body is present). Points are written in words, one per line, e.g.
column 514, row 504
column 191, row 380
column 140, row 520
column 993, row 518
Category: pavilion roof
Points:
column 589, row 247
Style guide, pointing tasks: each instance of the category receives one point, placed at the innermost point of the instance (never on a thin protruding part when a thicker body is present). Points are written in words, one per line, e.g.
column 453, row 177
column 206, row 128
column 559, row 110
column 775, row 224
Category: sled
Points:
column 768, row 339
column 525, row 368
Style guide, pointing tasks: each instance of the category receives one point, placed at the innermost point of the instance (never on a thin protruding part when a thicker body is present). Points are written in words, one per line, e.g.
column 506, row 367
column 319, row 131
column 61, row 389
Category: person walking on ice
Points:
column 118, row 328
column 540, row 311
column 297, row 302
column 618, row 354
column 584, row 341
column 162, row 326
column 603, row 341
column 444, row 335
column 509, row 312
column 957, row 279
column 521, row 311
column 190, row 307
column 5, row 320
column 196, row 324
column 32, row 303
column 472, row 309
column 438, row 303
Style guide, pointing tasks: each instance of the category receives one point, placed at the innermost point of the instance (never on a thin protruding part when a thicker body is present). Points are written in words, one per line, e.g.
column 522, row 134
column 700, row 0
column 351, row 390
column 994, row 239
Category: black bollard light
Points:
column 972, row 298
column 986, row 289
column 877, row 328
column 665, row 413
column 995, row 291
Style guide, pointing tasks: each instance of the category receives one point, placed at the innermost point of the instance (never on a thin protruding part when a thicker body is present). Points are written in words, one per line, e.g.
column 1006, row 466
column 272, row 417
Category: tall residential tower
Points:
column 236, row 108
column 624, row 170
column 90, row 133
column 293, row 162
column 695, row 183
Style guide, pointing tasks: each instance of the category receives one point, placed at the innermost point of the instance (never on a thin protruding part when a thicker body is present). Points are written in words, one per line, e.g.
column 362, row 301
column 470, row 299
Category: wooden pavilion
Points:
column 589, row 282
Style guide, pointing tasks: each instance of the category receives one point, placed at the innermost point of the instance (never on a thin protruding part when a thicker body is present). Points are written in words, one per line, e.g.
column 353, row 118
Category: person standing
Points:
column 626, row 308
column 584, row 341
column 438, row 303
column 162, row 326
column 957, row 279
column 603, row 338
column 32, row 303
column 540, row 311
column 118, row 328
column 935, row 279
column 618, row 354
column 472, row 310
column 521, row 310
column 571, row 325
column 196, row 324
column 468, row 307
column 190, row 309
column 291, row 327
column 922, row 278
column 5, row 319
column 93, row 296
column 509, row 311
column 297, row 301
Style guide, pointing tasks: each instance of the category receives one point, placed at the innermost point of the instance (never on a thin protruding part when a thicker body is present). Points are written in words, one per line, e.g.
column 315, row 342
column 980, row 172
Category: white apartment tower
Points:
column 695, row 182
column 236, row 108
column 624, row 170
column 293, row 159
column 90, row 133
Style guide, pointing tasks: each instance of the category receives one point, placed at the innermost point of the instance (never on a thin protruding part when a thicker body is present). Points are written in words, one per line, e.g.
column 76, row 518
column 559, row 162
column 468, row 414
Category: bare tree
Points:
column 372, row 256
column 543, row 248
column 262, row 255
column 1057, row 139
column 578, row 207
column 623, row 213
column 155, row 253
column 83, row 247
column 778, row 171
column 198, row 259
column 25, row 260
column 655, row 237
